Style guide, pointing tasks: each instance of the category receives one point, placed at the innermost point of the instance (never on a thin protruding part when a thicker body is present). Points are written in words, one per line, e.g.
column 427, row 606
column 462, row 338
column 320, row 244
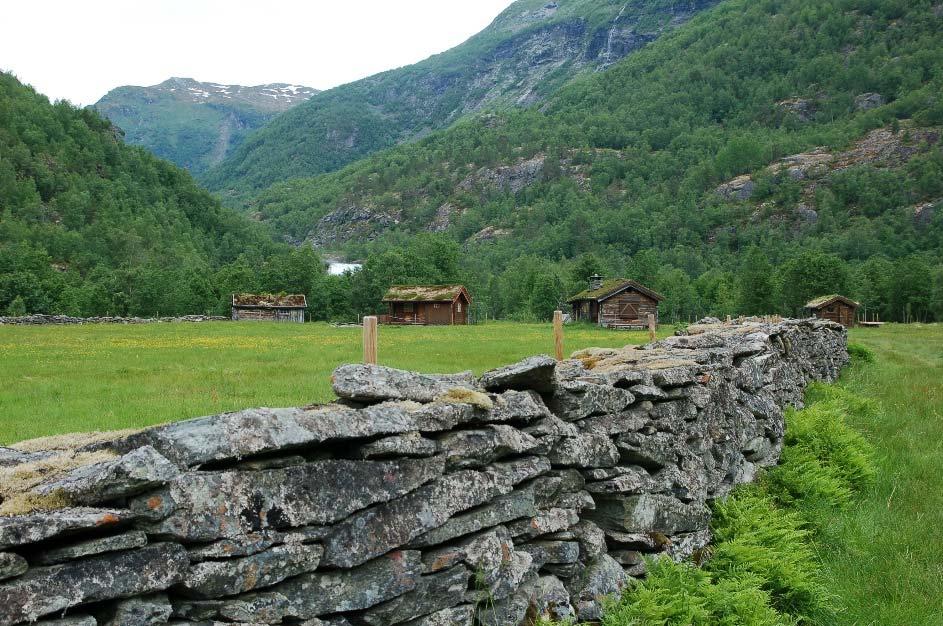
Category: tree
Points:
column 546, row 296
column 756, row 283
column 17, row 307
column 810, row 274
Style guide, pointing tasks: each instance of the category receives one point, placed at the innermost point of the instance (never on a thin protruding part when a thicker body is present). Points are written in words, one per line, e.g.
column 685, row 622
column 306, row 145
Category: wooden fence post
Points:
column 370, row 340
column 558, row 334
column 651, row 327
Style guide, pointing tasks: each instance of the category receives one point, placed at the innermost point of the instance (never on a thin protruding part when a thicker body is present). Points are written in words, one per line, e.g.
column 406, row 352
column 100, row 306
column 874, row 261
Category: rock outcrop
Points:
column 535, row 490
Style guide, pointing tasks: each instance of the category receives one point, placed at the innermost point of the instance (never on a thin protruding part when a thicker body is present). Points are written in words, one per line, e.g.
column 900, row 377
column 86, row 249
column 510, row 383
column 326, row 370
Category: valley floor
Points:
column 107, row 377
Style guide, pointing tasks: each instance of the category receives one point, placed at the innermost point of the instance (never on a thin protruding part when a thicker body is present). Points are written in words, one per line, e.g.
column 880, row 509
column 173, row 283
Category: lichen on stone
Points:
column 461, row 395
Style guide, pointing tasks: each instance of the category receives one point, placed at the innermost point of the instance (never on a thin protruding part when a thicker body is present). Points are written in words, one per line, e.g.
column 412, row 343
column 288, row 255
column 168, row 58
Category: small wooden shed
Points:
column 616, row 303
column 269, row 307
column 427, row 304
column 833, row 307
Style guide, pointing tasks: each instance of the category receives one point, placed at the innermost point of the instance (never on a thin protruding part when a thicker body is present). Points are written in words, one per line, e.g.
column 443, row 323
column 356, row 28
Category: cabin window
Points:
column 831, row 309
column 408, row 307
column 435, row 306
column 458, row 308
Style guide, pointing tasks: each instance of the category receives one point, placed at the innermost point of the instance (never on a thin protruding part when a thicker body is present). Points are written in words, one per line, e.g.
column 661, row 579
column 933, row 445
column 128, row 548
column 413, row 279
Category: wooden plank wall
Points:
column 628, row 307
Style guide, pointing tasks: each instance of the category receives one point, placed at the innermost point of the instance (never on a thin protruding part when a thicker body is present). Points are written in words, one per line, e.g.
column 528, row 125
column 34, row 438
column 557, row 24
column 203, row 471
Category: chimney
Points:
column 595, row 282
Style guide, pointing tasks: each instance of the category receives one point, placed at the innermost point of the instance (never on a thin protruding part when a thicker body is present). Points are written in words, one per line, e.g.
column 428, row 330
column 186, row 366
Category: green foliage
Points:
column 17, row 307
column 860, row 354
column 824, row 459
column 90, row 226
column 680, row 593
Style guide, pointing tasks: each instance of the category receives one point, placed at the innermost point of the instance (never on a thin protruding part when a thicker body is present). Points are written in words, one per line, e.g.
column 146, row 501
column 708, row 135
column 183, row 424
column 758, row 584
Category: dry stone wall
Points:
column 422, row 500
column 41, row 319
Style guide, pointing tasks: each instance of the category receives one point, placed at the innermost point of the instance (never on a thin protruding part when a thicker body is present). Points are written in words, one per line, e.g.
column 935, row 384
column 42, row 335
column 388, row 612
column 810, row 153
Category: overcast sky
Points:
column 80, row 50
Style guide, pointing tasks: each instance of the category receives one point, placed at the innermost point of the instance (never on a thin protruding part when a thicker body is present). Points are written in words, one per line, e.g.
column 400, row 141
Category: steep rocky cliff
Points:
column 531, row 49
column 195, row 124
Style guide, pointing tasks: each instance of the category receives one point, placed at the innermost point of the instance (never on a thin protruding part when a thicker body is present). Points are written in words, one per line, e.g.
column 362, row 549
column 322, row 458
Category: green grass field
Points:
column 82, row 378
column 884, row 556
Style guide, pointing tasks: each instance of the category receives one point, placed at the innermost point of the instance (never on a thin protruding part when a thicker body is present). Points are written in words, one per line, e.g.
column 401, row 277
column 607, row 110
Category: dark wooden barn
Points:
column 269, row 307
column 834, row 307
column 616, row 303
column 427, row 304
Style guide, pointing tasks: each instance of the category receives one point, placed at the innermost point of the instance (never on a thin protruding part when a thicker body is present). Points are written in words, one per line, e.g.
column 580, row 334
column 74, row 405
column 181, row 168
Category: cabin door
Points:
column 629, row 312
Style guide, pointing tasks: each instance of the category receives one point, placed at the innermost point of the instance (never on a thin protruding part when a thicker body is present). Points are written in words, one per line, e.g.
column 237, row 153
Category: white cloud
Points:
column 80, row 50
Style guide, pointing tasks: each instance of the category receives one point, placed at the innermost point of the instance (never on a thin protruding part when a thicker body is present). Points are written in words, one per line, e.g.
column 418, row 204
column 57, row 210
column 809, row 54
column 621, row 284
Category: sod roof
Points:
column 424, row 293
column 612, row 287
column 269, row 300
column 818, row 303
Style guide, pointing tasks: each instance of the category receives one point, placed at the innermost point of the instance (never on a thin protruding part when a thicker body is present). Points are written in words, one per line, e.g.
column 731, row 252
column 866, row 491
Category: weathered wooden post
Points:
column 651, row 328
column 728, row 321
column 370, row 340
column 558, row 334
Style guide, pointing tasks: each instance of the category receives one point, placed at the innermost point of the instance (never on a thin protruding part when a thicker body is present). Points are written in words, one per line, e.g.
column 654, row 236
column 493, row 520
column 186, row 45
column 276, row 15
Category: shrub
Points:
column 860, row 354
column 756, row 538
column 680, row 593
column 824, row 460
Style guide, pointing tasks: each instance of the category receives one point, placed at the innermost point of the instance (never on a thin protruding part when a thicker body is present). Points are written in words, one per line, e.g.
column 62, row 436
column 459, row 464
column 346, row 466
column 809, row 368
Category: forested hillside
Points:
column 194, row 124
column 763, row 153
column 89, row 225
column 529, row 51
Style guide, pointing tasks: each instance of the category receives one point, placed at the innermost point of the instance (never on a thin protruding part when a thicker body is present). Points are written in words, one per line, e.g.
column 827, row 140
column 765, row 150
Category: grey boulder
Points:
column 373, row 383
column 46, row 590
column 536, row 372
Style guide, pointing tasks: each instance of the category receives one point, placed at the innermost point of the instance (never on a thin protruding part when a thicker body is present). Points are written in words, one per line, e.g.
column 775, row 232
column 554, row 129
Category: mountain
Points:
column 793, row 144
column 90, row 225
column 529, row 51
column 193, row 124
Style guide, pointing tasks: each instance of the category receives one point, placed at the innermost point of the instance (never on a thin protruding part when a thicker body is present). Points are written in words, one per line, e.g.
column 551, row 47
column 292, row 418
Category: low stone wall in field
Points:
column 42, row 319
column 535, row 490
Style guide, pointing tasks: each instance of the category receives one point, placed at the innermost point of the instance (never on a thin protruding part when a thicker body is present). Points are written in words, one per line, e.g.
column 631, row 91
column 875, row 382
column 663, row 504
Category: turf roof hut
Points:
column 428, row 304
column 616, row 303
column 269, row 307
column 833, row 307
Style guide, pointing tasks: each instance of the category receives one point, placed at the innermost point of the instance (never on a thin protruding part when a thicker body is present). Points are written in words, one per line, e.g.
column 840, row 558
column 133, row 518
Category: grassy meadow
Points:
column 883, row 555
column 59, row 379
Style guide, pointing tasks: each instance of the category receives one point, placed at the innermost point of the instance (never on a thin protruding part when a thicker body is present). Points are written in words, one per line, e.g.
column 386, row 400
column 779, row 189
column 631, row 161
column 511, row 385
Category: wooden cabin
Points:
column 423, row 305
column 268, row 307
column 616, row 303
column 834, row 307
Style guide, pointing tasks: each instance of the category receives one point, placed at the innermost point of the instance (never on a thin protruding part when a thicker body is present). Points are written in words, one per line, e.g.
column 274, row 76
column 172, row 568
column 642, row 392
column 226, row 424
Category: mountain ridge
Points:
column 196, row 124
column 526, row 53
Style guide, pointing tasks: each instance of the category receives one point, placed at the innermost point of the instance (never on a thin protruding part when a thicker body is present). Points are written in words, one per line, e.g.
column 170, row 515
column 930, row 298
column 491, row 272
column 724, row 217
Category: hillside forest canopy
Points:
column 90, row 226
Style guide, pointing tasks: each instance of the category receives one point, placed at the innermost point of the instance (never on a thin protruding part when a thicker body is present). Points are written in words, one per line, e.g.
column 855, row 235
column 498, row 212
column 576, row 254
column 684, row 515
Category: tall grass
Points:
column 56, row 380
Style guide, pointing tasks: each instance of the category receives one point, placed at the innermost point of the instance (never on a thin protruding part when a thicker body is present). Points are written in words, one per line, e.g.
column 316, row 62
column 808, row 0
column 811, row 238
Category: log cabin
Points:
column 269, row 307
column 427, row 305
column 616, row 303
column 833, row 307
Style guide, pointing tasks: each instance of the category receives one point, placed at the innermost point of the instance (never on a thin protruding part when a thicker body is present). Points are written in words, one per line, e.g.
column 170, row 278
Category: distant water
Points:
column 336, row 269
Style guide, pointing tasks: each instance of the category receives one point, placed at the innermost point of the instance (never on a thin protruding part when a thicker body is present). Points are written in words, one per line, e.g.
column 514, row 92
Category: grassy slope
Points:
column 67, row 379
column 886, row 555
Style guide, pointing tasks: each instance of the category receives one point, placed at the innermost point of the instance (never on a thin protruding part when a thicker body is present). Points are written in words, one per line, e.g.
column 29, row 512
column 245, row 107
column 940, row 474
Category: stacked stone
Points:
column 423, row 500
column 40, row 319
